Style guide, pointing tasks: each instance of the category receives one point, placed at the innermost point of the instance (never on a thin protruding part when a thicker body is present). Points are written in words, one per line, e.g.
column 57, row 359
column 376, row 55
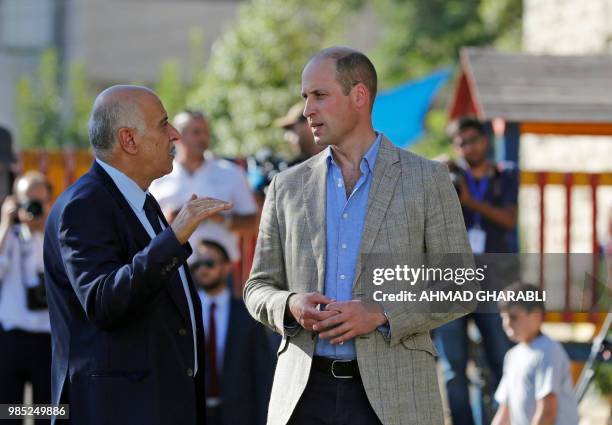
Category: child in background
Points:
column 536, row 387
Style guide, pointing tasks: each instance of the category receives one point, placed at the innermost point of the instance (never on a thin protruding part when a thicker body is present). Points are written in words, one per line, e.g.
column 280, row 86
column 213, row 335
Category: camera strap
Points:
column 478, row 191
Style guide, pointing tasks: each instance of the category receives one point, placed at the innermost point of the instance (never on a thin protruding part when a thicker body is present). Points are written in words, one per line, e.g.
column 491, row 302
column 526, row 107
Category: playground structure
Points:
column 517, row 94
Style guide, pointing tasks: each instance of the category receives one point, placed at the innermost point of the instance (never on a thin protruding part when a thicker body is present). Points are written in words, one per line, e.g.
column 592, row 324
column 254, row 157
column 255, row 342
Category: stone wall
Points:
column 567, row 26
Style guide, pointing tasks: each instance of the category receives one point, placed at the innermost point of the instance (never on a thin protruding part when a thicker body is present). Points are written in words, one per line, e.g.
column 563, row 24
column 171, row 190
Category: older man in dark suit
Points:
column 125, row 317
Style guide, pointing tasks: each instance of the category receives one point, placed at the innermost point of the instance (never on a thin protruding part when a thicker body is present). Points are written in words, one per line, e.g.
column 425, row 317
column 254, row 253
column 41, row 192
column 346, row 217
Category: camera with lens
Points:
column 36, row 296
column 457, row 175
column 33, row 207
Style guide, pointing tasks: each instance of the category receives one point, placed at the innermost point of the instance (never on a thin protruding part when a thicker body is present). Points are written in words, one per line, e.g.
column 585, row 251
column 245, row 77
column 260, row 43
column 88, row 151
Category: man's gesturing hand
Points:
column 193, row 213
column 354, row 318
column 303, row 308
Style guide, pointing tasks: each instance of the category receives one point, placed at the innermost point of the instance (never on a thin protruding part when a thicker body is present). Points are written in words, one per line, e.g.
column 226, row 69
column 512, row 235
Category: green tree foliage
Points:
column 39, row 106
column 421, row 35
column 254, row 72
column 171, row 87
column 47, row 120
column 80, row 101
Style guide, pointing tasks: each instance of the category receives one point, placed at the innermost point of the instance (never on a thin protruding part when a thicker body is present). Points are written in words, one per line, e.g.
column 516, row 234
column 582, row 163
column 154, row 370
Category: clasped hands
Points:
column 335, row 321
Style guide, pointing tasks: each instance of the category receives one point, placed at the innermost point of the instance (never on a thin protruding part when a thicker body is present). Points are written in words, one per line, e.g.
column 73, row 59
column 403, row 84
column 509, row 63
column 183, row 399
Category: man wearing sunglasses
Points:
column 240, row 362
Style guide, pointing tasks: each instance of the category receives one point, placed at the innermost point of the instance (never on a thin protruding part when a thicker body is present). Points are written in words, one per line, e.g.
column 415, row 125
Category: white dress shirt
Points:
column 216, row 178
column 135, row 197
column 222, row 312
column 20, row 262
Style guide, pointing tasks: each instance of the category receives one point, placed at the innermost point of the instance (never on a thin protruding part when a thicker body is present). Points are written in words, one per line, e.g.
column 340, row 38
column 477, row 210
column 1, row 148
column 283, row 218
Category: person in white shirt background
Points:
column 196, row 170
column 25, row 342
column 239, row 358
column 536, row 387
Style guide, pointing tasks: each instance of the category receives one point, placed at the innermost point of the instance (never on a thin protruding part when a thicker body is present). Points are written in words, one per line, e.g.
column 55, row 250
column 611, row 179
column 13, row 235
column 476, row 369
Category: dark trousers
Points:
column 332, row 401
column 214, row 416
column 25, row 357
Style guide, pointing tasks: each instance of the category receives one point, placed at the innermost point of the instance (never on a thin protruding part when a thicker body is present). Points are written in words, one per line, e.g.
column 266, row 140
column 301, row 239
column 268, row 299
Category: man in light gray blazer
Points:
column 344, row 358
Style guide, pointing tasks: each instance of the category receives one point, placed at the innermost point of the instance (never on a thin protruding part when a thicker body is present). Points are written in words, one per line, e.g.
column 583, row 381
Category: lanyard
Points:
column 478, row 191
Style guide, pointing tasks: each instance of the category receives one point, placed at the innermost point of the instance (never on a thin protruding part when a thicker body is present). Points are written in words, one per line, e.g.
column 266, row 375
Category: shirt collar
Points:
column 128, row 187
column 220, row 300
column 209, row 158
column 369, row 159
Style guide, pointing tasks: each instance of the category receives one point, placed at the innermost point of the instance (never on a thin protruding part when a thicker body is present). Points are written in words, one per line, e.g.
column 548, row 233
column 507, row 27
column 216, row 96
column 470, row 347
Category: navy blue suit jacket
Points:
column 248, row 369
column 121, row 330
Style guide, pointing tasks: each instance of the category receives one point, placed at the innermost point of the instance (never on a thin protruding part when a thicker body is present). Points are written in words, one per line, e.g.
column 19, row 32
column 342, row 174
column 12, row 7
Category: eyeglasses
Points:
column 462, row 142
column 209, row 263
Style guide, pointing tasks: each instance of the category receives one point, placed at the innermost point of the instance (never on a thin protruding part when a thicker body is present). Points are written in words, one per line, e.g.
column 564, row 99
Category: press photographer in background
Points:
column 488, row 193
column 25, row 344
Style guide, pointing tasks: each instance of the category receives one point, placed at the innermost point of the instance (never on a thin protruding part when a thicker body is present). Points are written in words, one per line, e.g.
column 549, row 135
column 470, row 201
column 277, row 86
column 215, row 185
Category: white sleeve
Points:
column 168, row 199
column 501, row 394
column 549, row 374
column 5, row 254
column 242, row 196
column 4, row 263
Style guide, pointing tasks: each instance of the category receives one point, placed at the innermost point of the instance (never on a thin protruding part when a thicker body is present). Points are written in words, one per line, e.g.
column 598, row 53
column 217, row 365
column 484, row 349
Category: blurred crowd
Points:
column 239, row 351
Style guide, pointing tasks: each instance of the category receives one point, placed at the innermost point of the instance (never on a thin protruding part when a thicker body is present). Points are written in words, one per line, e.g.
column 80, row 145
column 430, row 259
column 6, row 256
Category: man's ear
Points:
column 127, row 140
column 361, row 96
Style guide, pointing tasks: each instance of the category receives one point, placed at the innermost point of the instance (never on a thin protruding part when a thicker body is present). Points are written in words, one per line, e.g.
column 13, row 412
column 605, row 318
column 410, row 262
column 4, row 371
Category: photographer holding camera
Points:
column 25, row 344
column 488, row 193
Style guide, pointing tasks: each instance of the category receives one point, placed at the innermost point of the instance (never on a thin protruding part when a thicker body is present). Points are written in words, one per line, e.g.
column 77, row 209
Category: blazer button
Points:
column 190, row 372
column 182, row 332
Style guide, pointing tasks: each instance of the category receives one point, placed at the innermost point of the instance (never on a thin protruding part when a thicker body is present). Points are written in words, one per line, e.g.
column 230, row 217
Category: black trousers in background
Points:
column 332, row 401
column 24, row 357
column 214, row 416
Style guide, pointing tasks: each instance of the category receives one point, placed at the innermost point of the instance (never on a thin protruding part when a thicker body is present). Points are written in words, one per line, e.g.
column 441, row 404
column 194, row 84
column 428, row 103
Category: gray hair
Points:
column 108, row 116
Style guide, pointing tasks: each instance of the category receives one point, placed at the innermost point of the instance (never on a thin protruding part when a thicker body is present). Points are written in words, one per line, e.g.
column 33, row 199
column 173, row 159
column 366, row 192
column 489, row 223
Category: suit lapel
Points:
column 140, row 234
column 133, row 223
column 384, row 180
column 197, row 312
column 314, row 194
column 232, row 340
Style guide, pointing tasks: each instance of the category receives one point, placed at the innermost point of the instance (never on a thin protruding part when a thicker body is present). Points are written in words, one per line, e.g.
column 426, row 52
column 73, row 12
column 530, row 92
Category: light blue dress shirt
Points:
column 345, row 219
column 135, row 197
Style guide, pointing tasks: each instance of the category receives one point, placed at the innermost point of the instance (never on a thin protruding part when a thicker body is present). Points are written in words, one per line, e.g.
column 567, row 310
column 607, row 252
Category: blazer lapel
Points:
column 232, row 342
column 384, row 180
column 140, row 234
column 314, row 194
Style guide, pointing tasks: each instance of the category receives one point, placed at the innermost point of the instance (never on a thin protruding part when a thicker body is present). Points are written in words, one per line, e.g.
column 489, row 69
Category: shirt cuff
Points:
column 385, row 329
column 291, row 329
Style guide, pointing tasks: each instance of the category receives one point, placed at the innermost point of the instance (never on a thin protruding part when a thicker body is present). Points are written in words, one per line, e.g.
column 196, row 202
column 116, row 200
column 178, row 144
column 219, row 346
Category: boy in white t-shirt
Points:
column 536, row 387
